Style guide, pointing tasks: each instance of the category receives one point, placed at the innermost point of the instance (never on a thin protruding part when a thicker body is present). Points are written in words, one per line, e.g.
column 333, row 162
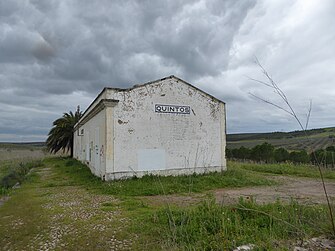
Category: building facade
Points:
column 164, row 127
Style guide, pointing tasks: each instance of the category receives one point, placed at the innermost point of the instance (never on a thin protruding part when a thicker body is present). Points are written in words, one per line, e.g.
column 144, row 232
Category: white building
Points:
column 165, row 127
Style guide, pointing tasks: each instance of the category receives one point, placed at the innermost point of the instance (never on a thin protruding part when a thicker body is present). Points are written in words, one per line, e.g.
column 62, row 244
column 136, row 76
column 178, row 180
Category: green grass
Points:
column 10, row 159
column 15, row 173
column 60, row 217
column 287, row 169
column 210, row 226
column 158, row 185
column 21, row 217
column 206, row 226
column 4, row 168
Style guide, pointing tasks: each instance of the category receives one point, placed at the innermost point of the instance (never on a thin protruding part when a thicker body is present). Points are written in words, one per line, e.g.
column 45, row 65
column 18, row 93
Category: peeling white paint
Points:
column 189, row 136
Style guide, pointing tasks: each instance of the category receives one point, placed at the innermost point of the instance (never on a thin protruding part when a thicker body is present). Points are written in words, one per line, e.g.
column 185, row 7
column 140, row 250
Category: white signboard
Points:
column 179, row 109
column 151, row 159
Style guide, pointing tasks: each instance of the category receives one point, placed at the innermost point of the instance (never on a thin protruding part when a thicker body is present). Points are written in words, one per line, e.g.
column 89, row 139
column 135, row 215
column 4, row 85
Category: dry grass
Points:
column 7, row 154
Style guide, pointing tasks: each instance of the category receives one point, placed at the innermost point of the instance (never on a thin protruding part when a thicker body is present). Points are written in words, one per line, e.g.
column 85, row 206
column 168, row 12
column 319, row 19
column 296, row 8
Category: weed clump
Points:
column 18, row 173
column 211, row 226
column 70, row 162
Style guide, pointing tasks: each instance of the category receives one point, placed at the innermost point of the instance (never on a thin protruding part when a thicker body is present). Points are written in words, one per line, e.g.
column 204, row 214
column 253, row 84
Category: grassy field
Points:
column 21, row 151
column 16, row 160
column 17, row 156
column 317, row 139
column 62, row 206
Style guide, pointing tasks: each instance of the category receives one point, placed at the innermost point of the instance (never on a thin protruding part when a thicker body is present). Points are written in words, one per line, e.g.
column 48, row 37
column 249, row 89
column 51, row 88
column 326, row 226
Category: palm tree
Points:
column 60, row 136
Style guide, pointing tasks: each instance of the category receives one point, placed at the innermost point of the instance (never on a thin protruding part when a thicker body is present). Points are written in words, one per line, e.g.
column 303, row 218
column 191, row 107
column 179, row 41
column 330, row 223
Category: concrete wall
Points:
column 130, row 137
column 90, row 146
column 166, row 143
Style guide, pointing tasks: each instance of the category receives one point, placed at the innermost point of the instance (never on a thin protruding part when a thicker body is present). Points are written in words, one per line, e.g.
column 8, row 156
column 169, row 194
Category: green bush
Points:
column 263, row 152
column 324, row 157
column 267, row 153
column 299, row 157
column 18, row 173
column 281, row 155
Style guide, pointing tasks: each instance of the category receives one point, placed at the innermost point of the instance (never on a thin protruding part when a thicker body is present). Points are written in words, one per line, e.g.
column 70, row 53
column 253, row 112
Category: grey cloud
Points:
column 44, row 6
column 15, row 45
column 201, row 41
column 43, row 50
column 56, row 54
column 7, row 8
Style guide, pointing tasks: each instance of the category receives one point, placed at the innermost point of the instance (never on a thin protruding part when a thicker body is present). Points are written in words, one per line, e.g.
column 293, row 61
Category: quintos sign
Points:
column 179, row 109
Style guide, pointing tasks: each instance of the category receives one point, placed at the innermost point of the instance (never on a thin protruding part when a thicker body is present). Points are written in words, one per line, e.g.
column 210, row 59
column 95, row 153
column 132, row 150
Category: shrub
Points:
column 263, row 152
column 299, row 157
column 281, row 155
column 18, row 173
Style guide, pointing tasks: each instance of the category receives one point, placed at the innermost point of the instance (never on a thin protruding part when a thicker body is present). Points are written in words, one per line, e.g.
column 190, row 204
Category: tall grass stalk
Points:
column 287, row 108
column 210, row 226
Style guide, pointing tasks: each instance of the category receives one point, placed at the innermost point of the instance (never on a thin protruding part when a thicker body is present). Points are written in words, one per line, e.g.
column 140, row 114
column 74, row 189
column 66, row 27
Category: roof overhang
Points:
column 103, row 103
column 158, row 80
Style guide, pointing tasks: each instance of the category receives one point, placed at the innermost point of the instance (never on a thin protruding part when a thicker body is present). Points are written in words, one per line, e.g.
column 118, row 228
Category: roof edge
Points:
column 95, row 110
column 155, row 81
column 141, row 85
column 198, row 89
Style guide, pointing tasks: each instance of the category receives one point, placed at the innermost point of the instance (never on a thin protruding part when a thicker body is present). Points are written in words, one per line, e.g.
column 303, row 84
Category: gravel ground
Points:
column 76, row 219
column 303, row 190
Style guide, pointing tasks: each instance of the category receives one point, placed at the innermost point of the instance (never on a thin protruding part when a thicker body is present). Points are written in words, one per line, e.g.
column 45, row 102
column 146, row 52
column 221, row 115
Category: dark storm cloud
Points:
column 57, row 54
column 43, row 51
column 116, row 42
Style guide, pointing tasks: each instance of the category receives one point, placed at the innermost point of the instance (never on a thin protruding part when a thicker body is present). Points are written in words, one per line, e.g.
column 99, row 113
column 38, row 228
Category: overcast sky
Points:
column 57, row 54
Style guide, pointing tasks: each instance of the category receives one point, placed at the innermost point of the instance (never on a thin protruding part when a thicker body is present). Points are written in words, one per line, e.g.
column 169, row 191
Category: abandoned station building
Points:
column 165, row 127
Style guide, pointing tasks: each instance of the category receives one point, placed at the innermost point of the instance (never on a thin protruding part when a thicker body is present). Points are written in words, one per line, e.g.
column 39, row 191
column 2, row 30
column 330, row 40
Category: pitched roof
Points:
column 158, row 80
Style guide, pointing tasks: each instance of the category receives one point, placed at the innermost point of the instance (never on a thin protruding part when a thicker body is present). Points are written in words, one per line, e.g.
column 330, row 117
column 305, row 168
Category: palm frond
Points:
column 60, row 137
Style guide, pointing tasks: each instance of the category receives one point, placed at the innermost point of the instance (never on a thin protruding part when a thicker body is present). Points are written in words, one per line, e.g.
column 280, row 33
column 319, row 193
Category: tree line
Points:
column 269, row 154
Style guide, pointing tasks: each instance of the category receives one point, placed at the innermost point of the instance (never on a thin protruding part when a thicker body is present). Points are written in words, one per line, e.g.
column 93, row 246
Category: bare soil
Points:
column 303, row 190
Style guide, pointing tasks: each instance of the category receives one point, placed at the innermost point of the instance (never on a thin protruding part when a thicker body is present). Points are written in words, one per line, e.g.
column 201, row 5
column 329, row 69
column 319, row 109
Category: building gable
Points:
column 166, row 127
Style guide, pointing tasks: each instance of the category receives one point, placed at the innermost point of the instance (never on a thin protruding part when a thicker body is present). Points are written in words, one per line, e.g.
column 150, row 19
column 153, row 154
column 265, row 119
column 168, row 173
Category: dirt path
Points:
column 303, row 190
column 71, row 218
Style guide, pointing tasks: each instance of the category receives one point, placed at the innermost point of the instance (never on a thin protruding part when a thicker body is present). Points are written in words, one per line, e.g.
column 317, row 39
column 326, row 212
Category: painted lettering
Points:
column 177, row 109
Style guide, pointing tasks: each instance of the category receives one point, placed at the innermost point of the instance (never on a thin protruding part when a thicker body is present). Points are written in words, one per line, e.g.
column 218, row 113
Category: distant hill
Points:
column 23, row 145
column 295, row 140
